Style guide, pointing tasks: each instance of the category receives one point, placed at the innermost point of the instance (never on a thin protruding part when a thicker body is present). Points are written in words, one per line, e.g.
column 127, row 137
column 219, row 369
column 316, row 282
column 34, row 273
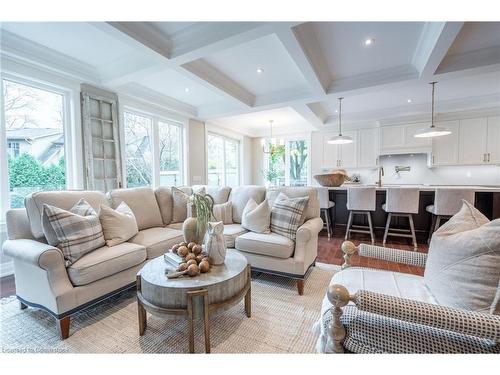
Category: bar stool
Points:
column 402, row 202
column 360, row 201
column 447, row 202
column 325, row 205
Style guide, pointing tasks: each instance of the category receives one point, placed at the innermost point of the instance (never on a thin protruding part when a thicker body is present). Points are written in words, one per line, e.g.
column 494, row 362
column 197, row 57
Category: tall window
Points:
column 146, row 136
column 223, row 161
column 286, row 163
column 34, row 130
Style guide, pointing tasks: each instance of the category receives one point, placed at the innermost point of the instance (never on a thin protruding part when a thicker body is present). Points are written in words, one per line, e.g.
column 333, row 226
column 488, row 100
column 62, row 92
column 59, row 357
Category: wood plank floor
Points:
column 328, row 252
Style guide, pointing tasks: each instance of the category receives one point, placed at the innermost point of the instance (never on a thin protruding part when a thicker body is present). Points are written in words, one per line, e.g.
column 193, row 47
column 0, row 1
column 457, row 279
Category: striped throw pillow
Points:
column 78, row 230
column 286, row 214
column 223, row 212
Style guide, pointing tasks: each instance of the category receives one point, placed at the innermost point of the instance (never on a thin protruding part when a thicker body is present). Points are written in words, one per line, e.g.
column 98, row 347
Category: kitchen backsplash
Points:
column 420, row 173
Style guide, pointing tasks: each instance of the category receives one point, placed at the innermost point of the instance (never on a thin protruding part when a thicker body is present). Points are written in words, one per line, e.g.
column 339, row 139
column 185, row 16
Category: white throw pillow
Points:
column 286, row 215
column 256, row 217
column 463, row 265
column 223, row 212
column 118, row 225
column 182, row 208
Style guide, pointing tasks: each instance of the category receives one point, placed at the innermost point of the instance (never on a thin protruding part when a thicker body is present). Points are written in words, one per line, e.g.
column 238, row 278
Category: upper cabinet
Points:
column 472, row 141
column 401, row 139
column 493, row 140
column 336, row 156
column 445, row 149
column 368, row 148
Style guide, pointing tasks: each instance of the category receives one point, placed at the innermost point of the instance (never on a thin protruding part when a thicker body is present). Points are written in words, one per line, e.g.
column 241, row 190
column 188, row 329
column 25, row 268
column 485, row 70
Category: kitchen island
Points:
column 487, row 200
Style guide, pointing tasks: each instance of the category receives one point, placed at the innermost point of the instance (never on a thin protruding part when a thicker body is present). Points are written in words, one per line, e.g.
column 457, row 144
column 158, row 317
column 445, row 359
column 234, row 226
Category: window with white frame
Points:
column 33, row 128
column 286, row 163
column 147, row 136
column 223, row 160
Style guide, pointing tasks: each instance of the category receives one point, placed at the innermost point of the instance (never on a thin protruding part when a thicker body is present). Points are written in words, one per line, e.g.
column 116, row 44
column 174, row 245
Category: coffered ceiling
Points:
column 242, row 74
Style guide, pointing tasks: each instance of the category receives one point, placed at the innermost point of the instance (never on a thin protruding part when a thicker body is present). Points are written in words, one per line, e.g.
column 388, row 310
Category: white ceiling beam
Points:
column 306, row 112
column 478, row 60
column 303, row 48
column 435, row 41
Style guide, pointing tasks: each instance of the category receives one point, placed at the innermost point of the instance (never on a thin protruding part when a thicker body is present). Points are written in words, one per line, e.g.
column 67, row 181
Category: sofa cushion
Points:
column 180, row 197
column 62, row 199
column 240, row 195
column 142, row 202
column 312, row 207
column 177, row 226
column 105, row 261
column 463, row 265
column 118, row 225
column 78, row 230
column 220, row 194
column 165, row 203
column 286, row 214
column 231, row 231
column 223, row 212
column 270, row 244
column 157, row 240
column 256, row 217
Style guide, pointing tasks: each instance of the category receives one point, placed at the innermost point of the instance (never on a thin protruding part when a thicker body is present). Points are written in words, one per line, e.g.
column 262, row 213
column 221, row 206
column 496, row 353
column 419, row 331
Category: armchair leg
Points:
column 300, row 286
column 64, row 327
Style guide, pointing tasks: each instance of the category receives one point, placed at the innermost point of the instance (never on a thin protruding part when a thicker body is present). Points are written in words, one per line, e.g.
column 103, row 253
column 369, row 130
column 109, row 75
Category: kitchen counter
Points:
column 424, row 187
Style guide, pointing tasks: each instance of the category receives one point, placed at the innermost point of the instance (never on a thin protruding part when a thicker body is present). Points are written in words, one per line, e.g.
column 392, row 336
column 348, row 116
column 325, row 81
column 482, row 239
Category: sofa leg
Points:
column 64, row 327
column 22, row 306
column 300, row 286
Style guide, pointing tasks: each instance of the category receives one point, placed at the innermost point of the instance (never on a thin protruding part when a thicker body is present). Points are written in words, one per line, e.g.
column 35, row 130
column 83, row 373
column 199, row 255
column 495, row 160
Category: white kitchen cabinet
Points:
column 493, row 140
column 348, row 152
column 445, row 148
column 336, row 156
column 392, row 137
column 401, row 139
column 472, row 141
column 331, row 153
column 411, row 140
column 368, row 148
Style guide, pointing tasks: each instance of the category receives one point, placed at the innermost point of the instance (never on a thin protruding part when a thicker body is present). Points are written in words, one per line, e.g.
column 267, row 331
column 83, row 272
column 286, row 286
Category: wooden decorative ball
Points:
column 182, row 251
column 182, row 267
column 199, row 258
column 193, row 270
column 204, row 266
column 191, row 245
column 197, row 249
column 192, row 261
column 189, row 256
column 206, row 259
column 183, row 244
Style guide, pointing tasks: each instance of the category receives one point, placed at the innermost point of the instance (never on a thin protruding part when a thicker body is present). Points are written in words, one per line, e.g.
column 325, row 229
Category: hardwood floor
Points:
column 328, row 252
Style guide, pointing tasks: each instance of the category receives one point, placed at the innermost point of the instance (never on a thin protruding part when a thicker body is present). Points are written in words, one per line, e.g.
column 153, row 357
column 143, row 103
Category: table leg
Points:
column 248, row 295
column 206, row 322
column 141, row 312
column 203, row 293
column 190, row 323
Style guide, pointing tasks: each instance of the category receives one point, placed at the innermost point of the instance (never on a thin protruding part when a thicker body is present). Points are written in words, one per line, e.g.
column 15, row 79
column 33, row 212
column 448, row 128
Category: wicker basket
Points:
column 333, row 179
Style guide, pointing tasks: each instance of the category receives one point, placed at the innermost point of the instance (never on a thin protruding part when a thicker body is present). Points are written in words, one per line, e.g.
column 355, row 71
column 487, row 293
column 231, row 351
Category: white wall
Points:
column 196, row 145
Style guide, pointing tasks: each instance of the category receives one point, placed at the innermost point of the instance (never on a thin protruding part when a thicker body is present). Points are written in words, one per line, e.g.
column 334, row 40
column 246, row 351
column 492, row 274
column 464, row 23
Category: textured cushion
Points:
column 118, row 225
column 231, row 231
column 78, row 230
column 62, row 199
column 270, row 244
column 157, row 240
column 165, row 202
column 105, row 261
column 142, row 202
column 180, row 196
column 463, row 264
column 241, row 194
column 287, row 214
column 218, row 193
column 312, row 207
column 256, row 217
column 223, row 212
column 177, row 226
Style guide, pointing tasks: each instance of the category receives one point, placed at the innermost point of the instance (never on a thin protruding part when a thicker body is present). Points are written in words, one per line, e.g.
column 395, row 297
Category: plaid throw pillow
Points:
column 78, row 230
column 286, row 214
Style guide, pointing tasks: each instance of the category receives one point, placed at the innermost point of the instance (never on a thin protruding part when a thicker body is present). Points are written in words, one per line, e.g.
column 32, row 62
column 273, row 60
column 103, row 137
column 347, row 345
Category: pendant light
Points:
column 272, row 141
column 433, row 130
column 340, row 139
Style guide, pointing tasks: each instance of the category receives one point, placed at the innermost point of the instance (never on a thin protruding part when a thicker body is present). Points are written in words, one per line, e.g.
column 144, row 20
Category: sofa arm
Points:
column 384, row 253
column 35, row 253
column 306, row 243
column 310, row 229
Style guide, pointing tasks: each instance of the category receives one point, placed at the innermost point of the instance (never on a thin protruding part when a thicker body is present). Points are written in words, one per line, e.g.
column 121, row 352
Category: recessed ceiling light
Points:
column 409, row 100
column 260, row 70
column 186, row 89
column 336, row 111
column 369, row 41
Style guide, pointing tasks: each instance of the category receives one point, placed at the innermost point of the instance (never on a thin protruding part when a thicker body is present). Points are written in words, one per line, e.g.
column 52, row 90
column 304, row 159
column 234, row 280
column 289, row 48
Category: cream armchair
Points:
column 404, row 319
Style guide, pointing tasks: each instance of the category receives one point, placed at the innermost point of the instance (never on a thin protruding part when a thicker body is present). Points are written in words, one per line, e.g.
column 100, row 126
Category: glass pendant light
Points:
column 433, row 130
column 340, row 139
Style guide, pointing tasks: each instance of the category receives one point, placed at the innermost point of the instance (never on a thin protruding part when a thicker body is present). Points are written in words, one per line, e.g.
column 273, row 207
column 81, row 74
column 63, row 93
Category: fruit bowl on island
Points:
column 333, row 179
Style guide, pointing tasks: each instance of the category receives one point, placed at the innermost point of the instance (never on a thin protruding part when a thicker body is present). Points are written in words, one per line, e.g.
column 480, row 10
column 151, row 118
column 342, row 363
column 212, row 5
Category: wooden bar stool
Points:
column 402, row 202
column 325, row 205
column 360, row 201
column 447, row 202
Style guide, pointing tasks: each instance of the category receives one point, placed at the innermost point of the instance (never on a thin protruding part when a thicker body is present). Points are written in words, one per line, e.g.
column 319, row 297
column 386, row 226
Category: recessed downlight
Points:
column 260, row 70
column 369, row 42
column 186, row 89
column 409, row 100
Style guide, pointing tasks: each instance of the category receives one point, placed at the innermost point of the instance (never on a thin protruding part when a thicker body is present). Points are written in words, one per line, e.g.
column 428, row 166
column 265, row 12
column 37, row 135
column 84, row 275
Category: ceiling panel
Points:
column 342, row 44
column 172, row 28
column 240, row 64
column 286, row 120
column 476, row 35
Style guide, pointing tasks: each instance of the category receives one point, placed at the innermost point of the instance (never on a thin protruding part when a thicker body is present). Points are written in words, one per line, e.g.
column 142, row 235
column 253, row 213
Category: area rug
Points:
column 281, row 322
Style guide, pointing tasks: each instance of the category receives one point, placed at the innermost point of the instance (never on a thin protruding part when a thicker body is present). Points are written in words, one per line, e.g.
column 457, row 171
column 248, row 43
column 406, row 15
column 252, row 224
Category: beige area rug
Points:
column 281, row 322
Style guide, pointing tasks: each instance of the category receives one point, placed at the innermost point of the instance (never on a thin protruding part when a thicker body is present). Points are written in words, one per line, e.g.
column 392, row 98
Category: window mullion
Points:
column 155, row 144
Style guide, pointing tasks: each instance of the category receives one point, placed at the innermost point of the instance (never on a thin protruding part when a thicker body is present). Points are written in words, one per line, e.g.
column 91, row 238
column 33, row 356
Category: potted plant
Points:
column 195, row 227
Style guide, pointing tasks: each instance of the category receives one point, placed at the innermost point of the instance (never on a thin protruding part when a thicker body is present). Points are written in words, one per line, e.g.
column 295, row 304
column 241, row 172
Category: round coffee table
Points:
column 193, row 297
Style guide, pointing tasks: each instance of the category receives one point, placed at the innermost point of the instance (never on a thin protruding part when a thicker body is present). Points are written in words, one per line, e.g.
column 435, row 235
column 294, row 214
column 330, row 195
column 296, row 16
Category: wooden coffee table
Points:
column 193, row 297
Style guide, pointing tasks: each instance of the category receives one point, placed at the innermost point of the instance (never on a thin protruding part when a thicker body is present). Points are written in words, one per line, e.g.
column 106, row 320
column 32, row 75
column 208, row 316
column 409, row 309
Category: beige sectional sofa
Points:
column 44, row 281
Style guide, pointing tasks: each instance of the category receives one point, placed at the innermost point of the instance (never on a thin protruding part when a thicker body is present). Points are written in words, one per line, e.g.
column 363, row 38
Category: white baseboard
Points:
column 6, row 269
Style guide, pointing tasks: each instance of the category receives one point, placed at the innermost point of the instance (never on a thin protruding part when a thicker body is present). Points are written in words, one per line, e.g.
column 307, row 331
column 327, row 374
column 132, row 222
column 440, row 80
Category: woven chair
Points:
column 373, row 322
